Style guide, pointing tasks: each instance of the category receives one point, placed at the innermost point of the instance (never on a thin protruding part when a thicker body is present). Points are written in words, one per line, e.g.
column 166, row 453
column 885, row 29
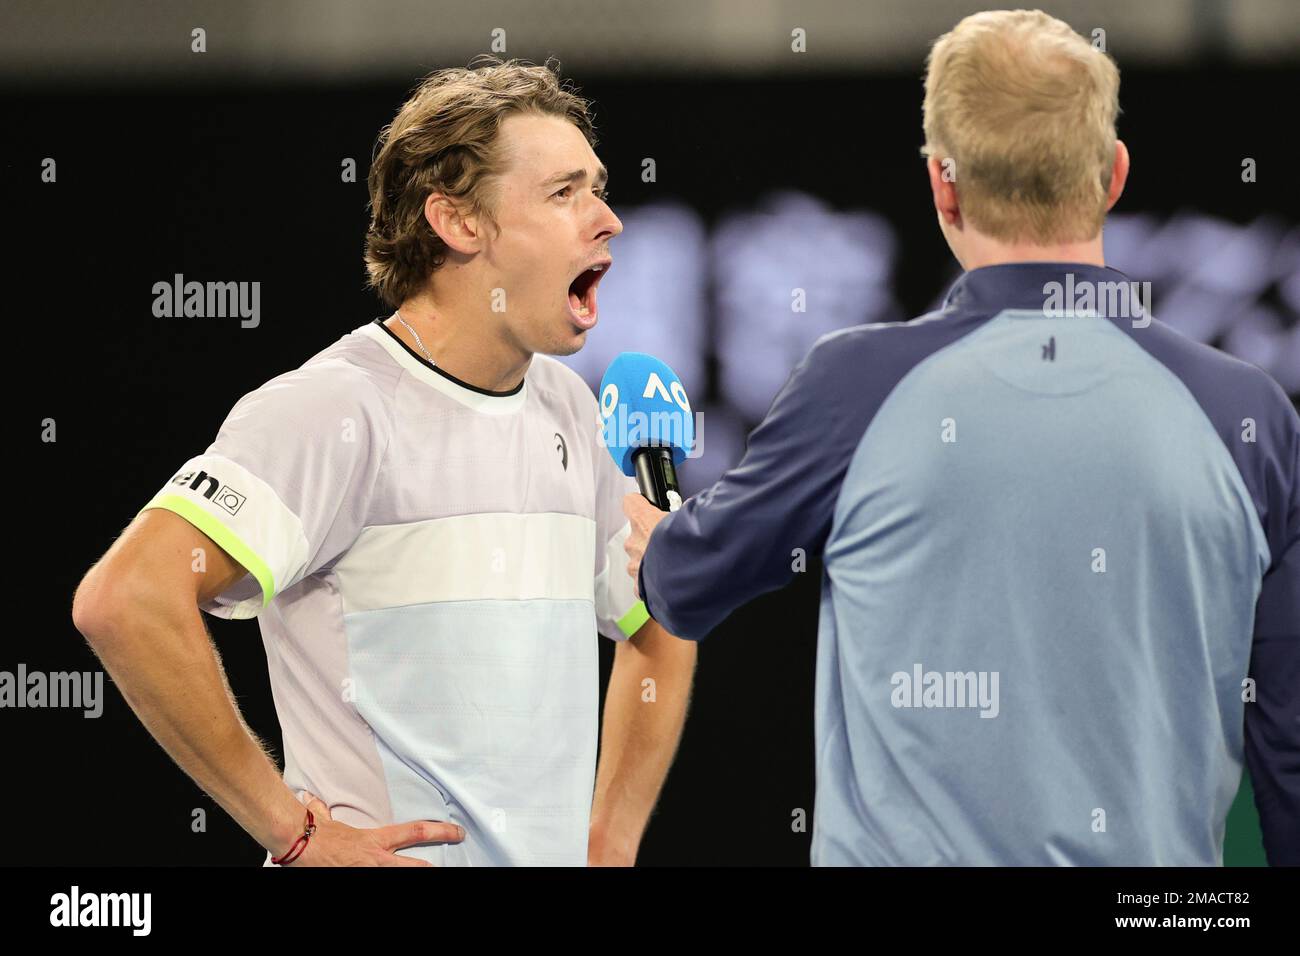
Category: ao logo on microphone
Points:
column 654, row 386
column 643, row 404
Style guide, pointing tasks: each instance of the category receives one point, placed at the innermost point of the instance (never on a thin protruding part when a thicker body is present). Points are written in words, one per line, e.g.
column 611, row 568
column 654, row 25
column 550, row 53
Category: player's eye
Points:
column 600, row 193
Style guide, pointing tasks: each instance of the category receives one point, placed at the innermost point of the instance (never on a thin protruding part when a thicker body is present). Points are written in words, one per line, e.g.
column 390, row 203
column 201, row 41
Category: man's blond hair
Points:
column 445, row 139
column 1025, row 110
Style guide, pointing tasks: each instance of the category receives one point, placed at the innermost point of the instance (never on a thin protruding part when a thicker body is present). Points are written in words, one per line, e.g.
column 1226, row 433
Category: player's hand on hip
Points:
column 337, row 844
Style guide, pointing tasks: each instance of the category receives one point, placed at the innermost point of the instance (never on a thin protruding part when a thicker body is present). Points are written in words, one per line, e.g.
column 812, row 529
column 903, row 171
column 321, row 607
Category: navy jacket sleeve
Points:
column 1273, row 718
column 740, row 537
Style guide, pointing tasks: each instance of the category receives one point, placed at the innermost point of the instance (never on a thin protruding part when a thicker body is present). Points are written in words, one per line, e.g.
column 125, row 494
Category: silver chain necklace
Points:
column 416, row 336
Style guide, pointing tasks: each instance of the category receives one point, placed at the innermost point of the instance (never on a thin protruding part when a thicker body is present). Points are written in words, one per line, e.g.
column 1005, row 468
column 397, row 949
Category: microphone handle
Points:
column 656, row 476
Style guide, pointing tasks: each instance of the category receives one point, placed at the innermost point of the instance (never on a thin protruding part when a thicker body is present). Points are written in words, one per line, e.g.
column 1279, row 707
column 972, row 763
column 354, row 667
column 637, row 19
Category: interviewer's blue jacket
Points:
column 1061, row 597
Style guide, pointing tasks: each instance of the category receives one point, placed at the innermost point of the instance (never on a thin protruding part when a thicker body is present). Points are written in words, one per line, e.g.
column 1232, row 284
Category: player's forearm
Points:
column 645, row 709
column 161, row 658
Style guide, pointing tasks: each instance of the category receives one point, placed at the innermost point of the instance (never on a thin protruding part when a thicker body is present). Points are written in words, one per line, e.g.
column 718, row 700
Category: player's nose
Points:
column 608, row 225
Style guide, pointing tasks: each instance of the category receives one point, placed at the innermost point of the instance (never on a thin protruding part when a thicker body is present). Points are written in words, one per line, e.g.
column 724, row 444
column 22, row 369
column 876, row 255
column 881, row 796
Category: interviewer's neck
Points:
column 979, row 251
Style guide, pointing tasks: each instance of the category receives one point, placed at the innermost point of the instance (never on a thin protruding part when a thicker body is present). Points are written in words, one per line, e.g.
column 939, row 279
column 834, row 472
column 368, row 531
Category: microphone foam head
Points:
column 643, row 404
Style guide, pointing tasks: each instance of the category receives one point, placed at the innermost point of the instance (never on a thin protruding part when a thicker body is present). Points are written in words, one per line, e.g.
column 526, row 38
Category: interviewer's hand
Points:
column 643, row 516
column 337, row 844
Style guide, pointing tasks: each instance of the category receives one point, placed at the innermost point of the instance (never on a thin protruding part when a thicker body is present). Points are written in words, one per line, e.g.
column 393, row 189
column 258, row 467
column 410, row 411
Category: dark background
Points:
column 243, row 183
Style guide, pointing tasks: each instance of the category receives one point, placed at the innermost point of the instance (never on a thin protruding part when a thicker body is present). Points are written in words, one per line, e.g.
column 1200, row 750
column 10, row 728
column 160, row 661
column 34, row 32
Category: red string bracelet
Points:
column 299, row 844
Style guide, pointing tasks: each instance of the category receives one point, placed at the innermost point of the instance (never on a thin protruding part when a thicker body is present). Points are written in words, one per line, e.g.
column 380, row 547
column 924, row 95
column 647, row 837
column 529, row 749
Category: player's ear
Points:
column 449, row 220
column 943, row 187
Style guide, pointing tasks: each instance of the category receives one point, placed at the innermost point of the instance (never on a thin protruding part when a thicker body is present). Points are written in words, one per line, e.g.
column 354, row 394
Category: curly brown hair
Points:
column 444, row 139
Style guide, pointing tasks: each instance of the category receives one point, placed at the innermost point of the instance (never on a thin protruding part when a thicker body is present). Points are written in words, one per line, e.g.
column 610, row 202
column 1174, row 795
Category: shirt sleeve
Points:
column 619, row 612
column 743, row 536
column 1273, row 718
column 285, row 486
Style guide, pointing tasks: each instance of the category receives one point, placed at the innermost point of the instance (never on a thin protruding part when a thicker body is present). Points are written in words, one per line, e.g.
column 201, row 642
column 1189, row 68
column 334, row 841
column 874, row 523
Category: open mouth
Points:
column 582, row 293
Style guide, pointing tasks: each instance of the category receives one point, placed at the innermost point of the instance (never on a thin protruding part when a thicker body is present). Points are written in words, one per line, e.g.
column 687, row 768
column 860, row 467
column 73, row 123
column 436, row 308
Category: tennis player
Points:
column 1061, row 600
column 424, row 523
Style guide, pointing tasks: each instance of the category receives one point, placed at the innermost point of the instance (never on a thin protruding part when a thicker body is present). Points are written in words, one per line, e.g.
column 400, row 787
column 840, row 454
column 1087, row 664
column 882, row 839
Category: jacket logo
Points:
column 211, row 488
column 1049, row 350
column 563, row 449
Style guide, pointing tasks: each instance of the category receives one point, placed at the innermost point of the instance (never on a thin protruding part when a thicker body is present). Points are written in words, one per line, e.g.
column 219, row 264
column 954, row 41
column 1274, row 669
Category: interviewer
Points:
column 1061, row 597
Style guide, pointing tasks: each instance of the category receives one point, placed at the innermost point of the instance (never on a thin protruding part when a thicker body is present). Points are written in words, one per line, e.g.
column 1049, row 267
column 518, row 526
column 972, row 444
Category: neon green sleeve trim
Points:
column 223, row 536
column 631, row 622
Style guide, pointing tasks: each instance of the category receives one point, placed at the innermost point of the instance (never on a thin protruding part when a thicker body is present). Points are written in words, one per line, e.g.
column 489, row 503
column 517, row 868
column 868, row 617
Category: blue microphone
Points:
column 646, row 424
